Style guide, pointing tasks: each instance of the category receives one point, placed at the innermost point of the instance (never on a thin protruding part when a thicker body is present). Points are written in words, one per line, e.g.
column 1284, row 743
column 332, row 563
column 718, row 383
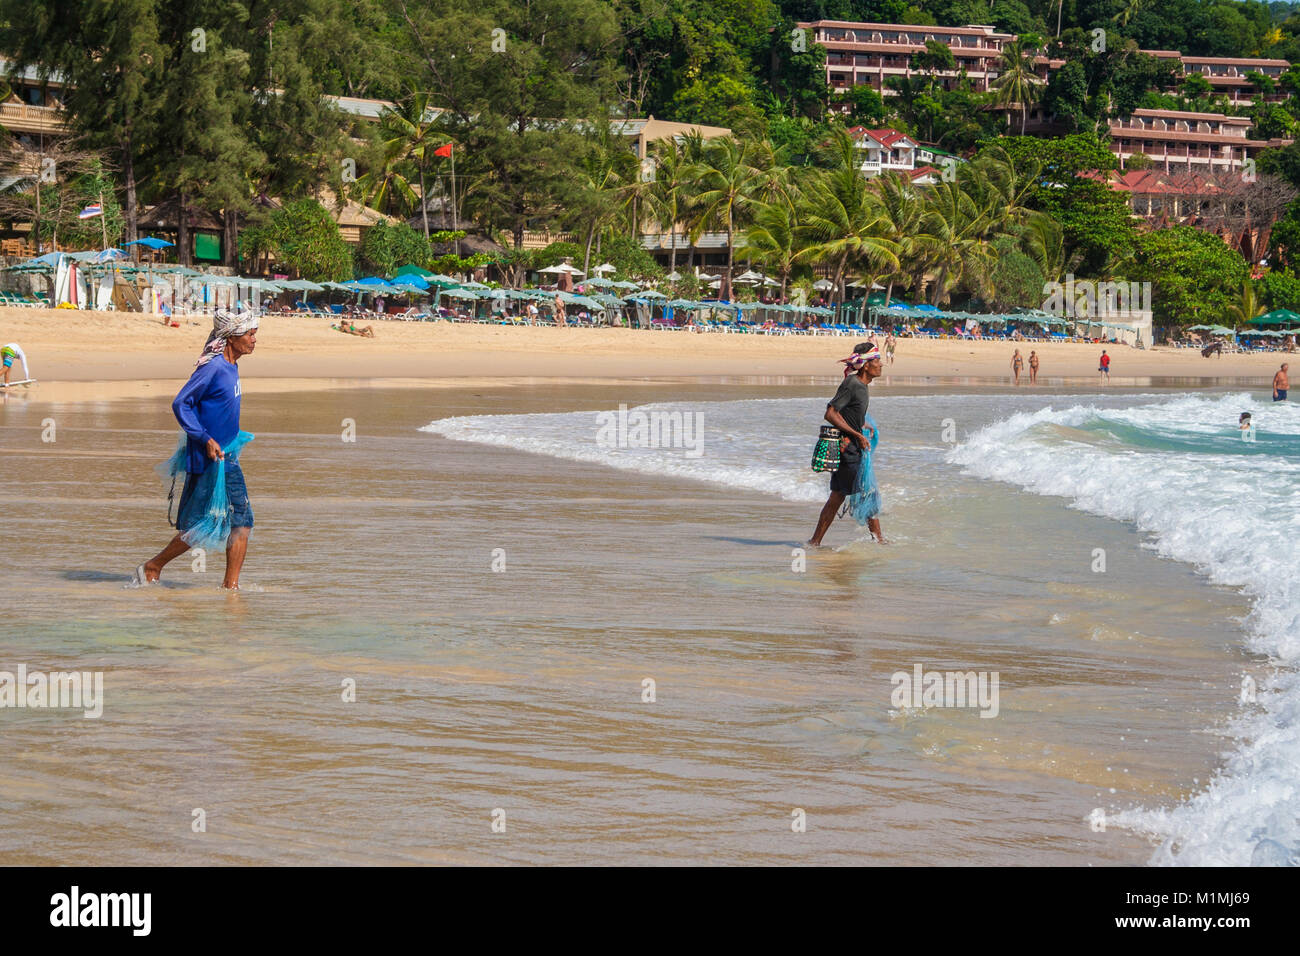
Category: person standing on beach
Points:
column 1280, row 384
column 13, row 352
column 847, row 412
column 1104, row 367
column 207, row 408
column 889, row 348
column 1033, row 367
column 1017, row 363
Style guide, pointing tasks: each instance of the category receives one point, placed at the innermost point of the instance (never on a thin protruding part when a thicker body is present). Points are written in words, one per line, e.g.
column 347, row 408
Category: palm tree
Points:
column 772, row 239
column 902, row 220
column 407, row 135
column 727, row 184
column 844, row 223
column 606, row 171
column 1248, row 306
column 1019, row 84
column 1043, row 240
column 954, row 240
column 1130, row 8
column 667, row 197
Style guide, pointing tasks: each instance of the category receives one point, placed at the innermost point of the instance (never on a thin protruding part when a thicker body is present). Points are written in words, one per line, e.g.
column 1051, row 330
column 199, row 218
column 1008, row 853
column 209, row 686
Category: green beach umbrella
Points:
column 1277, row 317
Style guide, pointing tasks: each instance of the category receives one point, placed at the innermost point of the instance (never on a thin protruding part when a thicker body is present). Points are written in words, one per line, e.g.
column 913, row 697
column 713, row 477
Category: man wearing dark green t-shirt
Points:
column 847, row 412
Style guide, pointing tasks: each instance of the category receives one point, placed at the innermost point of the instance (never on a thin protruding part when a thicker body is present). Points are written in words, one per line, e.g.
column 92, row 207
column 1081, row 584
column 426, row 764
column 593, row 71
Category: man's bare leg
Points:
column 826, row 517
column 873, row 525
column 236, row 548
column 175, row 548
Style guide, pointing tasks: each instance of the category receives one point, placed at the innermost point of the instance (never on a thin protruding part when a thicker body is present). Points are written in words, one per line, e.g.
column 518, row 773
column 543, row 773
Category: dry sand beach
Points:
column 135, row 353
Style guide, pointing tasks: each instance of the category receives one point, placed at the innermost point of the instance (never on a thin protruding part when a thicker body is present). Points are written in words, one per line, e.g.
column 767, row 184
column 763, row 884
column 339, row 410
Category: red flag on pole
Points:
column 443, row 150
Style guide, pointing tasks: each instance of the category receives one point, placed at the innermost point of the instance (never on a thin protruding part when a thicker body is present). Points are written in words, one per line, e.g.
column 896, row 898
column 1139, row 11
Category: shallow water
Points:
column 521, row 689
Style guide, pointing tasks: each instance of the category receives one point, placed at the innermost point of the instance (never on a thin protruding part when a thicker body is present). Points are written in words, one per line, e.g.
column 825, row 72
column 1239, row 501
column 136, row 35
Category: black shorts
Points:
column 844, row 479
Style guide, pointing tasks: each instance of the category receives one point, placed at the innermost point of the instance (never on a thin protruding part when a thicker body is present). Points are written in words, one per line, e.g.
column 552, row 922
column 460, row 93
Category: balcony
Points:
column 19, row 117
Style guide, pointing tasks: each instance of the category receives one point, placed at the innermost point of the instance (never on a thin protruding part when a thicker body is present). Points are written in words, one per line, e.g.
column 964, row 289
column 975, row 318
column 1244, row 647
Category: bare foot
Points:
column 152, row 571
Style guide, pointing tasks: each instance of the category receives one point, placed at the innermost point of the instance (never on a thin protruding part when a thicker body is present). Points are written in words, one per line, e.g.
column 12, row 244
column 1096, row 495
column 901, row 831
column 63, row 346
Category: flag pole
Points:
column 455, row 219
column 103, row 219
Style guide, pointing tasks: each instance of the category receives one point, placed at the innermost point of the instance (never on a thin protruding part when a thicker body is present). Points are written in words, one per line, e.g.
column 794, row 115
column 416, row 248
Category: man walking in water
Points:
column 847, row 412
column 208, row 410
column 1104, row 367
column 1280, row 384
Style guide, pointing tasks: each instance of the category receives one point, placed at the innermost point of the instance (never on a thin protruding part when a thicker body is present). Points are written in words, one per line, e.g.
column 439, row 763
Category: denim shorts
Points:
column 241, row 511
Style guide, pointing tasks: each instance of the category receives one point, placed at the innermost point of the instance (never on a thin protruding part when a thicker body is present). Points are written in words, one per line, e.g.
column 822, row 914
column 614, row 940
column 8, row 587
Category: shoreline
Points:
column 90, row 356
column 108, row 390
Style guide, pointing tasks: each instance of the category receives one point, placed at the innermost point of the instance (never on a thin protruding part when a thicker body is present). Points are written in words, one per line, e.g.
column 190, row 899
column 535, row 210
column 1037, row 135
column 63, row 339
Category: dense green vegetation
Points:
column 225, row 107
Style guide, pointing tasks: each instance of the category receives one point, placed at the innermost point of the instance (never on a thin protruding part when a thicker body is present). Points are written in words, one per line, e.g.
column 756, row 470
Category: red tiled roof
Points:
column 922, row 171
column 887, row 137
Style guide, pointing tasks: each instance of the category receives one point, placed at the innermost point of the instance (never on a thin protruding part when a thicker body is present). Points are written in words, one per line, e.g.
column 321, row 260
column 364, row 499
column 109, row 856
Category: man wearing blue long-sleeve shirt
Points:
column 208, row 410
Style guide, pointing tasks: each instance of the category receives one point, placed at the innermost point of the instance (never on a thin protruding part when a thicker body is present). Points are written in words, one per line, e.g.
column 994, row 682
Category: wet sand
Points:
column 521, row 689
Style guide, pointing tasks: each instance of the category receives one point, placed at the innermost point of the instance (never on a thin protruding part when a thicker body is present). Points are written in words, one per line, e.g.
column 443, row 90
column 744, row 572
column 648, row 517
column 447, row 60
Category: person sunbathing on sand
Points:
column 346, row 325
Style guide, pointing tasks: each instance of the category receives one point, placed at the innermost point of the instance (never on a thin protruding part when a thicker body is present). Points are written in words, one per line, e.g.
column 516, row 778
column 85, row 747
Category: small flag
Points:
column 443, row 150
column 90, row 212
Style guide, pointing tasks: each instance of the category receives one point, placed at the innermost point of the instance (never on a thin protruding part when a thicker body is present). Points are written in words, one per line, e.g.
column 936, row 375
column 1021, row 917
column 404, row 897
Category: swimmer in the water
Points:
column 1247, row 427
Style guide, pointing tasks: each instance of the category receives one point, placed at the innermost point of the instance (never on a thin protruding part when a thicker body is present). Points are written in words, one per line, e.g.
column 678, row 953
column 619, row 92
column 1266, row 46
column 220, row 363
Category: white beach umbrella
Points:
column 824, row 284
column 604, row 268
column 674, row 276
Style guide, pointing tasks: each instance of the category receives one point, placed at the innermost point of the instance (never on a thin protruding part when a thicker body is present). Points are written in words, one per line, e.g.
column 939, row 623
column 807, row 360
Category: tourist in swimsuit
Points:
column 11, row 352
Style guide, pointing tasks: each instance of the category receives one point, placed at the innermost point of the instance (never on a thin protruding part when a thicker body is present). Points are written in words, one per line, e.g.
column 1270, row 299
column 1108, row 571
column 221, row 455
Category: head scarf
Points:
column 857, row 360
column 225, row 325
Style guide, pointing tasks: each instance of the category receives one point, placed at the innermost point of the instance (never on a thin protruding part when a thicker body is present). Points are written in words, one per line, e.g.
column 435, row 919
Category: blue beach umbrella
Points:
column 151, row 241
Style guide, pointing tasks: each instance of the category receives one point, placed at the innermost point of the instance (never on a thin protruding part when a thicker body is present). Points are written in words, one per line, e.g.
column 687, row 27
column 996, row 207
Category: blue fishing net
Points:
column 212, row 530
column 865, row 501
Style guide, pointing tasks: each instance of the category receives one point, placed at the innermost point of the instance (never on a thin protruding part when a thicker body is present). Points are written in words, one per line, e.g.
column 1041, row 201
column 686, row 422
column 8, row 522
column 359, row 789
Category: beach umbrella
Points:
column 563, row 267
column 599, row 282
column 647, row 294
column 604, row 268
column 461, row 293
column 1277, row 317
column 414, row 270
column 823, row 285
column 151, row 242
column 674, row 276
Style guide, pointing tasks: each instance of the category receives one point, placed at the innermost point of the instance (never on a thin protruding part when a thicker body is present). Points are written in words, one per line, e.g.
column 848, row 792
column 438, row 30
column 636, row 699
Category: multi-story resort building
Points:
column 1180, row 141
column 1227, row 75
column 869, row 54
column 860, row 54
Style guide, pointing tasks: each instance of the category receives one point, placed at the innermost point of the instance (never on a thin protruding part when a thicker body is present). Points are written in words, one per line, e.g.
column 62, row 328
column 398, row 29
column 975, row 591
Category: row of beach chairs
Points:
column 23, row 300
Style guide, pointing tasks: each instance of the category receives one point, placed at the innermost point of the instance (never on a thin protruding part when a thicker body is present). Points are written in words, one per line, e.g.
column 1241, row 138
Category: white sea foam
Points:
column 1178, row 470
column 739, row 450
column 1174, row 467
